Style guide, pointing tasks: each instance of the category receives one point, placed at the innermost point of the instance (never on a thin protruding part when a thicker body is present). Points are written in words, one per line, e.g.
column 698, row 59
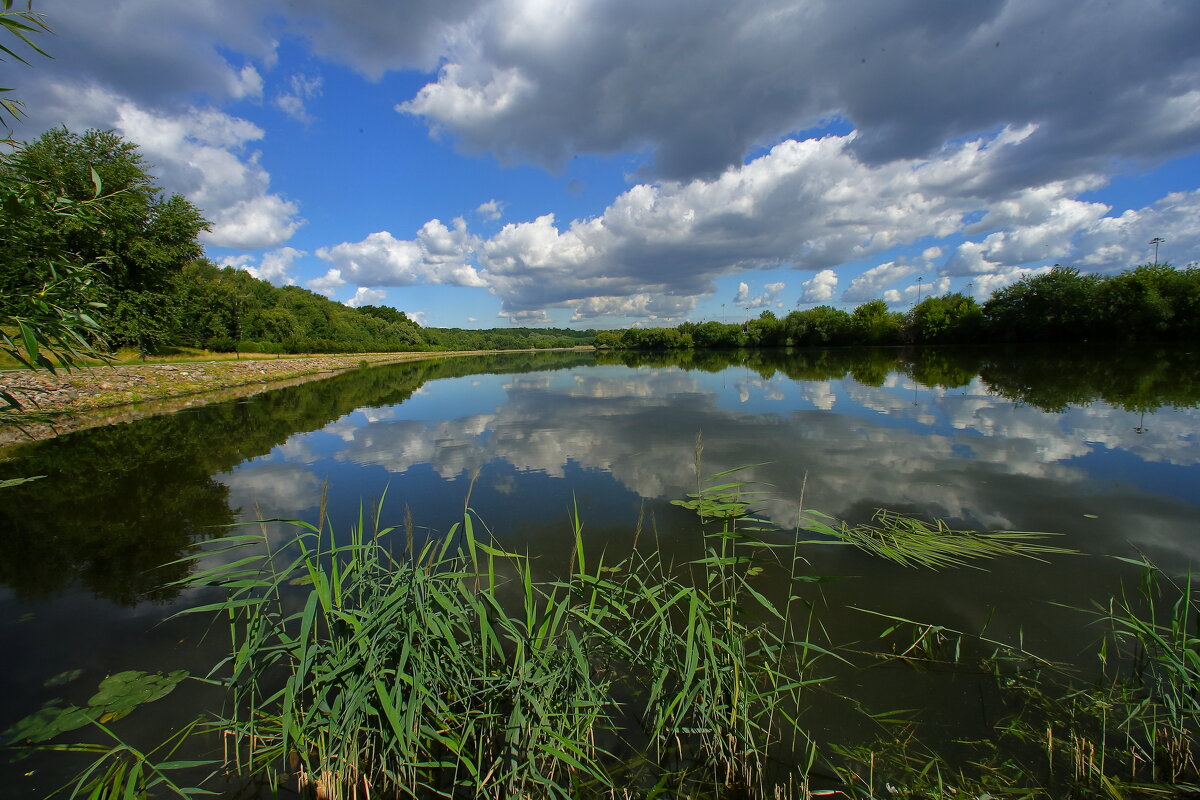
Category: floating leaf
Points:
column 64, row 677
column 120, row 694
column 49, row 721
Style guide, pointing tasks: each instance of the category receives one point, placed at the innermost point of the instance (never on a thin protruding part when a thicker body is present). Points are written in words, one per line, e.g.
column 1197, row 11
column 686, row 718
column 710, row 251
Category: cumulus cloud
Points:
column 364, row 296
column 327, row 284
column 650, row 307
column 491, row 210
column 819, row 288
column 274, row 266
column 438, row 254
column 540, row 85
column 804, row 204
column 768, row 298
column 198, row 152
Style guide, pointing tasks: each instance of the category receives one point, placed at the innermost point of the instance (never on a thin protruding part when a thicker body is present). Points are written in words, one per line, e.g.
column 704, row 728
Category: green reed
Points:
column 453, row 669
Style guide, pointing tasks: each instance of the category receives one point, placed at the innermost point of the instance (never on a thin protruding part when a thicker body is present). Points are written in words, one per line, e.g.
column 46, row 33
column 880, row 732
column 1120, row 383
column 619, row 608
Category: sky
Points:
column 616, row 163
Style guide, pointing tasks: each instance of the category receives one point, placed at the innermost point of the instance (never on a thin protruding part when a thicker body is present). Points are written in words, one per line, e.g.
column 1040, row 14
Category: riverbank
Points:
column 94, row 396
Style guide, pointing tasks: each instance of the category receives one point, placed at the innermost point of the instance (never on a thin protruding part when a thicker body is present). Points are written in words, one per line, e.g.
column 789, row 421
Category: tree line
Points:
column 1148, row 303
column 93, row 255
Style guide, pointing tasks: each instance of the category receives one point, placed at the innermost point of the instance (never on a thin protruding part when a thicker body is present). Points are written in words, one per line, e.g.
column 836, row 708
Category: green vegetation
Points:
column 19, row 24
column 1149, row 303
column 406, row 666
column 94, row 258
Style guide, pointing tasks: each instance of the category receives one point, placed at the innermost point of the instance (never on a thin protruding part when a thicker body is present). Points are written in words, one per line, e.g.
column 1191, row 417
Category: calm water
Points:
column 1102, row 448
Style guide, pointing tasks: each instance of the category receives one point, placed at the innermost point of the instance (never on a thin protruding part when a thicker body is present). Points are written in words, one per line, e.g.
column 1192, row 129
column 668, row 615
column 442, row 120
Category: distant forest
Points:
column 1149, row 303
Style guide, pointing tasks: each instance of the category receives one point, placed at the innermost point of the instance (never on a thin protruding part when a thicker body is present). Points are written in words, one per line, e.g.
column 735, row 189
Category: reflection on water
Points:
column 1102, row 448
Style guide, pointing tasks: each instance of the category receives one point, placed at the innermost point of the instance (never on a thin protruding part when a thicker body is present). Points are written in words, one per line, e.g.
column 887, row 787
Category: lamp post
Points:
column 1156, row 241
column 919, row 279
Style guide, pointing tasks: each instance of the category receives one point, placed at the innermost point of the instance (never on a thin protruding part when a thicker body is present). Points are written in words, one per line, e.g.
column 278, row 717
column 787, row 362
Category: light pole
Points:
column 919, row 279
column 1156, row 241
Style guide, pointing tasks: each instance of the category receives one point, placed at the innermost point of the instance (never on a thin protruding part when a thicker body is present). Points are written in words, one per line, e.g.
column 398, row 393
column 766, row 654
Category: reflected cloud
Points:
column 962, row 454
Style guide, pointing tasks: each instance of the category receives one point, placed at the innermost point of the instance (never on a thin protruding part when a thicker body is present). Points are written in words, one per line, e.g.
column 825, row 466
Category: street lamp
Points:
column 1156, row 241
column 919, row 279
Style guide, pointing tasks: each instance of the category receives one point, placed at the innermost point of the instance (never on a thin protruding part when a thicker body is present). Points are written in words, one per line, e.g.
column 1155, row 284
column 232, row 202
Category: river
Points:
column 1099, row 447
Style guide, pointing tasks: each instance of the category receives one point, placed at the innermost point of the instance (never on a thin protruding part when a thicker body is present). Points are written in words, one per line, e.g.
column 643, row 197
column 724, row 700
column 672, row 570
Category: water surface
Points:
column 1100, row 447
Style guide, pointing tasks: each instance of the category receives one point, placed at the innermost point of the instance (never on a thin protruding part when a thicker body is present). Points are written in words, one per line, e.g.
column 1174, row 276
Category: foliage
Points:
column 452, row 667
column 912, row 542
column 46, row 305
column 19, row 24
column 133, row 242
column 118, row 770
column 1149, row 303
column 1055, row 306
column 950, row 319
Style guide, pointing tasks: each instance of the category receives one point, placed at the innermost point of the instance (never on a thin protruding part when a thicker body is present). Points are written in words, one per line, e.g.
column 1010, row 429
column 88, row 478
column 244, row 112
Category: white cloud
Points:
column 274, row 266
column 769, row 297
column 364, row 296
column 438, row 254
column 868, row 285
column 301, row 88
column 819, row 288
column 650, row 307
column 491, row 210
column 327, row 284
column 198, row 152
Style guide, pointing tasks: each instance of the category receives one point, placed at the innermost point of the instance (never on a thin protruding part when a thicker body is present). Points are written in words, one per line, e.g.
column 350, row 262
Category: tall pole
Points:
column 1156, row 241
column 919, row 279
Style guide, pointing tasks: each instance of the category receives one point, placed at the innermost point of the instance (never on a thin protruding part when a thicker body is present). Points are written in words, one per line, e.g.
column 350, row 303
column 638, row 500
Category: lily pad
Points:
column 64, row 677
column 49, row 721
column 120, row 694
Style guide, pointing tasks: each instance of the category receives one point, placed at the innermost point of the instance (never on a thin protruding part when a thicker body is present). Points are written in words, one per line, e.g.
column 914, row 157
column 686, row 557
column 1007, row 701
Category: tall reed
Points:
column 452, row 668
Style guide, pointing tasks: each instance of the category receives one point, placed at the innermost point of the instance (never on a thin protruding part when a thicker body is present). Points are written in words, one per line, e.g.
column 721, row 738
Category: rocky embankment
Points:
column 84, row 398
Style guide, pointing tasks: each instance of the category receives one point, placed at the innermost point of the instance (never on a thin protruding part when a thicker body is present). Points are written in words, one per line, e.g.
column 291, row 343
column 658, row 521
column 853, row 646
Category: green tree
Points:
column 46, row 316
column 1055, row 306
column 873, row 323
column 951, row 318
column 145, row 240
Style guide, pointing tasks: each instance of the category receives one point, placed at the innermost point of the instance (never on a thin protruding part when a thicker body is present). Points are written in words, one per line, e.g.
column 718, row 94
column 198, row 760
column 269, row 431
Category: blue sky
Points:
column 606, row 163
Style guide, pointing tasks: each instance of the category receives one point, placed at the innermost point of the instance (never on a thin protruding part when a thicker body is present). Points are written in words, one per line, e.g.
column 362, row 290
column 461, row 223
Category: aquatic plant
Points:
column 449, row 666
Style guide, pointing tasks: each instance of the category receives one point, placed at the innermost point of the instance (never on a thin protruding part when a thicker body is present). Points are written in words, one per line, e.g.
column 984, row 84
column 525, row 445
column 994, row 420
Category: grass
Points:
column 449, row 667
column 177, row 355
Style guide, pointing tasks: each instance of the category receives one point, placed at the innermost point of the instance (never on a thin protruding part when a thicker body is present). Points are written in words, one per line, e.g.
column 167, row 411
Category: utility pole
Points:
column 1156, row 241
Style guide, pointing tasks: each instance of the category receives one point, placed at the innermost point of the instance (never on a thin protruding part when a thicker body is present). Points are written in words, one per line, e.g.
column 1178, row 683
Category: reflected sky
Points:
column 1112, row 479
column 531, row 438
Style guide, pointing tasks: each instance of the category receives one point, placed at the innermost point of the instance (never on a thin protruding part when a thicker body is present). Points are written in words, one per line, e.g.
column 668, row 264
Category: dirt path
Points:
column 86, row 398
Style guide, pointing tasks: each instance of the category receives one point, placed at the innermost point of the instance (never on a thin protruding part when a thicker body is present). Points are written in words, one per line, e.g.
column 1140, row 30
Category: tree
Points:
column 950, row 318
column 872, row 323
column 45, row 307
column 145, row 240
column 1058, row 305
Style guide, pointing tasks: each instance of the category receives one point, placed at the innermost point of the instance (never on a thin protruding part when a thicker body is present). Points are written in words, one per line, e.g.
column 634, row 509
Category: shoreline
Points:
column 90, row 397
